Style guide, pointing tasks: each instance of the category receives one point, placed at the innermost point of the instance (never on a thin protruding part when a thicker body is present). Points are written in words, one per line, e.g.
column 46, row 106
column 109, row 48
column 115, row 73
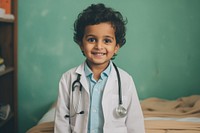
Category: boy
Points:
column 90, row 99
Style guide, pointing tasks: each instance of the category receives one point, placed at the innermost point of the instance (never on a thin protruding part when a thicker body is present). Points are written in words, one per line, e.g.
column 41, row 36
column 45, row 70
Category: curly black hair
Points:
column 98, row 13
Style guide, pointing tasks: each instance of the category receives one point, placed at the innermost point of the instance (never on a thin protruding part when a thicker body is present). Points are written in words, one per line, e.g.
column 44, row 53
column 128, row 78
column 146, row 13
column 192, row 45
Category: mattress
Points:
column 160, row 116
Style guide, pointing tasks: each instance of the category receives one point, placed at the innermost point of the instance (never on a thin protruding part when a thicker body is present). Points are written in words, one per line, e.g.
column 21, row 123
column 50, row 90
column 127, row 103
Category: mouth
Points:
column 98, row 53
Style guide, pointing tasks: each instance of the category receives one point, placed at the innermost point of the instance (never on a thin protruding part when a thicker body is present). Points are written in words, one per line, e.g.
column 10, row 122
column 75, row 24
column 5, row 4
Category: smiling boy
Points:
column 90, row 95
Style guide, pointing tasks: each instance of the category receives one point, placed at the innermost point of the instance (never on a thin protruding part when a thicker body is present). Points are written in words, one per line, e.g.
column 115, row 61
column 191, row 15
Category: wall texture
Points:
column 162, row 52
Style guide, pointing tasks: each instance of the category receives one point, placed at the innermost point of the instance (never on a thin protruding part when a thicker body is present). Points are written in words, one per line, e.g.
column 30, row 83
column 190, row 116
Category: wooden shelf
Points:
column 6, row 20
column 8, row 70
column 8, row 77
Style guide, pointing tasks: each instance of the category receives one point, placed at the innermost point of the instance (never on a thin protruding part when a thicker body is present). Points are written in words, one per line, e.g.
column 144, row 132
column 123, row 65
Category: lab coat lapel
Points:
column 108, row 90
column 85, row 83
column 83, row 80
column 85, row 106
column 111, row 82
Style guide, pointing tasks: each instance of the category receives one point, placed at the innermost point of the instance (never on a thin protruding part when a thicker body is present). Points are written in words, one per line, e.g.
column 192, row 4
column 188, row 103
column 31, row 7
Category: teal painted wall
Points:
column 162, row 52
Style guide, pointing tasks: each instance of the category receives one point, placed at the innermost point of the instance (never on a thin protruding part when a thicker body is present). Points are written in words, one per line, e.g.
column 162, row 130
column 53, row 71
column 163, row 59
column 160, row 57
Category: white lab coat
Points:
column 132, row 123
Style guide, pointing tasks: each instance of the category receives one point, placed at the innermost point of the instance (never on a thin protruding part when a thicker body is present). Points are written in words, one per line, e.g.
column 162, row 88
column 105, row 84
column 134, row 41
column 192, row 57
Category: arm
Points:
column 61, row 123
column 135, row 120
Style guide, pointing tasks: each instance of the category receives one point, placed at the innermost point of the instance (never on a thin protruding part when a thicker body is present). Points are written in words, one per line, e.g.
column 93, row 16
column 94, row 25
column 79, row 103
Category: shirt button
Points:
column 94, row 131
column 94, row 110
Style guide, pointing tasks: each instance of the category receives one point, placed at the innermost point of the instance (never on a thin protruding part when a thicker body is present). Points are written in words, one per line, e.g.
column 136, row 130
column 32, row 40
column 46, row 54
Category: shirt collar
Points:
column 89, row 72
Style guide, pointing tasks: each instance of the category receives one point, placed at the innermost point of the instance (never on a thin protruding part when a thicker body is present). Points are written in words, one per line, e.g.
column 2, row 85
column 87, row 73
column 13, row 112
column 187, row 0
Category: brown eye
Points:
column 107, row 41
column 91, row 39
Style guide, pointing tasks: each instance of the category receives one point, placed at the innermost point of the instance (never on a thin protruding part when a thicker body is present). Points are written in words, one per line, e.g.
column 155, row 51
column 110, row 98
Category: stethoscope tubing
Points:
column 119, row 85
column 120, row 110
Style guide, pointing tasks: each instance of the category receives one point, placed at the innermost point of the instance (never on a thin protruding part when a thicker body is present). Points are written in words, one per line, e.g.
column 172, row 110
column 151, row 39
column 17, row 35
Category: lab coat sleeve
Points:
column 61, row 123
column 135, row 120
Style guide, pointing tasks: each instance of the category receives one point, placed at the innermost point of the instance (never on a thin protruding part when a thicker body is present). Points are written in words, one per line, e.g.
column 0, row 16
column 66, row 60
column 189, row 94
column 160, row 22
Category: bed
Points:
column 161, row 116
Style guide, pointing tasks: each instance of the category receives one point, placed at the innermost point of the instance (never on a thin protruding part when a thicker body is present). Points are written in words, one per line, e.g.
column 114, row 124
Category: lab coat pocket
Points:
column 73, row 121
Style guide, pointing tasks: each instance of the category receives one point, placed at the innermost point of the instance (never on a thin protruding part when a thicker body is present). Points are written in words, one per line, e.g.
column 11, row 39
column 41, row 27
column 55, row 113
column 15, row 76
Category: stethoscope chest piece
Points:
column 121, row 111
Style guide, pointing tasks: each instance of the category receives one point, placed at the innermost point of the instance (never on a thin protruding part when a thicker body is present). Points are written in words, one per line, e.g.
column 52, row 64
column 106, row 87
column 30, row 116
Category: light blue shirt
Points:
column 96, row 118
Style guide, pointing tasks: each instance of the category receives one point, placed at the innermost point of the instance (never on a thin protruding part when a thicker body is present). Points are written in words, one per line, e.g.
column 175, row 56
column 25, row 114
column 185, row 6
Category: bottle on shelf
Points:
column 4, row 111
column 2, row 65
column 5, row 10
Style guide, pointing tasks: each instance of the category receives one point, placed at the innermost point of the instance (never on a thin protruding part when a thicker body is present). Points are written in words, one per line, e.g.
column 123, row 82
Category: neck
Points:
column 97, row 69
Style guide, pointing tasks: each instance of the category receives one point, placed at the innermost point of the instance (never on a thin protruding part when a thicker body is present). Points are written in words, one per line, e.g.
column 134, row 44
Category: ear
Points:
column 117, row 48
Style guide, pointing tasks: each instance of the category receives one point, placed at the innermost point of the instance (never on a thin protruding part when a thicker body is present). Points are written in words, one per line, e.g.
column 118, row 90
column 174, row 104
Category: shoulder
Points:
column 70, row 71
column 125, row 74
column 75, row 70
column 126, row 79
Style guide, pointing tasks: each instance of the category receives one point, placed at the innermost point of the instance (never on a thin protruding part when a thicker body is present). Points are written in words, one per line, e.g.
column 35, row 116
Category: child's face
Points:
column 99, row 44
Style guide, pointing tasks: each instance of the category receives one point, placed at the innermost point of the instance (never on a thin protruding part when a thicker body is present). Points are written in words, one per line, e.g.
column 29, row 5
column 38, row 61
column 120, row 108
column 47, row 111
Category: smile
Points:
column 98, row 54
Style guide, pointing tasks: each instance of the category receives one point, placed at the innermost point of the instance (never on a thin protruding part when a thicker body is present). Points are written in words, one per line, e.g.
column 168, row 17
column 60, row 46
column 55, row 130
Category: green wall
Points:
column 162, row 52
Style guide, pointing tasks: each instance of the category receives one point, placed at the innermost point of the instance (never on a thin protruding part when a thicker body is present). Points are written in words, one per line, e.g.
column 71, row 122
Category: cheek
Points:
column 86, row 49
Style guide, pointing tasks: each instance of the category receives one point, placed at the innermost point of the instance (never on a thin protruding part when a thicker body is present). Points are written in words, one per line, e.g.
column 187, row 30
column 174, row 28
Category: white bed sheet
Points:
column 186, row 119
column 49, row 117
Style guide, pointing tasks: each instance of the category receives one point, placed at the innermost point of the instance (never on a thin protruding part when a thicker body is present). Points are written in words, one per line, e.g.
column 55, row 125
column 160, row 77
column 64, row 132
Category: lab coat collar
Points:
column 83, row 80
column 80, row 69
column 112, row 78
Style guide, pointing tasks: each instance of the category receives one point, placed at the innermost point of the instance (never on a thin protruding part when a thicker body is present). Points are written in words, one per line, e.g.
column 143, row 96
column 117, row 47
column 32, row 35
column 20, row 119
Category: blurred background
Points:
column 162, row 51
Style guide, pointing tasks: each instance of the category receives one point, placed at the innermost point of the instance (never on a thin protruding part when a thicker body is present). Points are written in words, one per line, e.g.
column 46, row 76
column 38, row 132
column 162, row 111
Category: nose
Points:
column 99, row 45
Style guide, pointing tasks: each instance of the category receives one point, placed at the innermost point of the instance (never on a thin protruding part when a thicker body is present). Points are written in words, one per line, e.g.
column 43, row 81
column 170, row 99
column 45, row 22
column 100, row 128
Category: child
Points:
column 90, row 99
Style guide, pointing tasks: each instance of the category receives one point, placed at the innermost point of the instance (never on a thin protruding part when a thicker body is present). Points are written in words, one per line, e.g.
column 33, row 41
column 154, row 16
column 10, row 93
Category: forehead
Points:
column 102, row 29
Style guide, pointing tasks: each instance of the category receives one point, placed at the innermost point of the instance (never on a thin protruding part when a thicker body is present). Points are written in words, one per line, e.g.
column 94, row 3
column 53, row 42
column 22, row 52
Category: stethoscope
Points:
column 120, row 110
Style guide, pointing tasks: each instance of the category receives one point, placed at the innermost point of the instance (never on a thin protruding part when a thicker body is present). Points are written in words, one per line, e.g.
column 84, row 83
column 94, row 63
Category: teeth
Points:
column 99, row 53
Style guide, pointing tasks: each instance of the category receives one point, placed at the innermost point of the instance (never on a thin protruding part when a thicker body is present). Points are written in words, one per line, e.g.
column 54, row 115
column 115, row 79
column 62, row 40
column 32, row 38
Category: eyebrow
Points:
column 110, row 37
column 103, row 36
